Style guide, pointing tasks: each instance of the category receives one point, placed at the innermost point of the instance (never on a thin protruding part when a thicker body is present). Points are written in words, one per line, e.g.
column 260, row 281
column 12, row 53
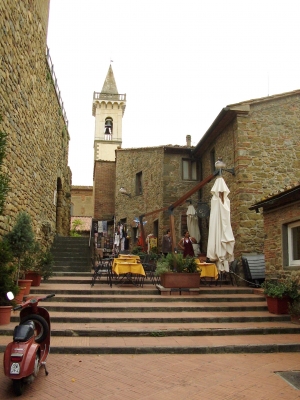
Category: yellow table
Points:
column 128, row 256
column 132, row 270
column 208, row 270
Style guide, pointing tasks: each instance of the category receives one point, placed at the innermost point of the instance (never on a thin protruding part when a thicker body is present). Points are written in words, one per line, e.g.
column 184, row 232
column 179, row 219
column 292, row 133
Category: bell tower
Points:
column 108, row 110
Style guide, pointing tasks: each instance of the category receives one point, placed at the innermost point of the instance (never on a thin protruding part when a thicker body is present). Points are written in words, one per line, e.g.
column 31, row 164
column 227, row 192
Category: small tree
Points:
column 76, row 225
column 21, row 238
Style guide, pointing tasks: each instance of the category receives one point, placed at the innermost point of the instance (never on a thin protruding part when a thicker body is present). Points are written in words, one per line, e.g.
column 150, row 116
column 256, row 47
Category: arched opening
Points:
column 59, row 210
column 108, row 128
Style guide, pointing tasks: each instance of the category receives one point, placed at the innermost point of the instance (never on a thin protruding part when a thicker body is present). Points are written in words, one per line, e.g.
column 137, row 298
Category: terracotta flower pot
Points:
column 35, row 277
column 180, row 280
column 5, row 313
column 19, row 297
column 25, row 283
column 278, row 305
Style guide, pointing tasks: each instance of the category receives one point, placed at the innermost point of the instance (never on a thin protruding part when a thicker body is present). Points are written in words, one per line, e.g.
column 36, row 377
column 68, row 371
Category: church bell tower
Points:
column 108, row 110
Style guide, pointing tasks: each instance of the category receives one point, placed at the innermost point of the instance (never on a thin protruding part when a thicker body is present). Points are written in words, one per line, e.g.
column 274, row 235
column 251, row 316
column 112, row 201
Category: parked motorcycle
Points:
column 30, row 347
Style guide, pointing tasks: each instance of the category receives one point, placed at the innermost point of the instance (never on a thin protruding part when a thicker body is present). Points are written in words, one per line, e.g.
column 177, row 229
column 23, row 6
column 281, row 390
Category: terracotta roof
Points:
column 280, row 195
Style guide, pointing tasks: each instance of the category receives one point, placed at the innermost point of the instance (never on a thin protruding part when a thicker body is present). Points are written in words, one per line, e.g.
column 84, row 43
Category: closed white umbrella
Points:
column 193, row 227
column 220, row 237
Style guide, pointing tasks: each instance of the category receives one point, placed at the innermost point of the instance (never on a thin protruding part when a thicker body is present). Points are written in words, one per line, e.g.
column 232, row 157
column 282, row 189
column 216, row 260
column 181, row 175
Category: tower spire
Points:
column 109, row 85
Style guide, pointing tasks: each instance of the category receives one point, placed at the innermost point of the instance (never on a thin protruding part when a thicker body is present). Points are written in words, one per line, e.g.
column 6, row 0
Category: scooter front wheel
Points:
column 18, row 386
column 41, row 326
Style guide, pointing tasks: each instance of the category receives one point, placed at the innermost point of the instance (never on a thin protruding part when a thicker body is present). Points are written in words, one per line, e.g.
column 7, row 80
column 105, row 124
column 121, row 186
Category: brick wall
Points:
column 273, row 235
column 82, row 201
column 104, row 190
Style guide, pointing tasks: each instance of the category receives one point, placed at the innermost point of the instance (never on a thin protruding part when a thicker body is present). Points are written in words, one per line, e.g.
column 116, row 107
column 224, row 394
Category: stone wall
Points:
column 38, row 139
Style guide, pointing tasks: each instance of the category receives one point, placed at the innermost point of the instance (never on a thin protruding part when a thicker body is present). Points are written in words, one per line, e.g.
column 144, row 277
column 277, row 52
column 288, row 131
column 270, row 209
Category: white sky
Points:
column 179, row 63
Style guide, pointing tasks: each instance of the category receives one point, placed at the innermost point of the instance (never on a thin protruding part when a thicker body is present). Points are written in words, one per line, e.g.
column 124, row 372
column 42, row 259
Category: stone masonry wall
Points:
column 37, row 149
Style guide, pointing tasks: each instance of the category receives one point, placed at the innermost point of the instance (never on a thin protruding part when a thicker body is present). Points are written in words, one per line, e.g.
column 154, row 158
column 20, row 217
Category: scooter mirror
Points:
column 10, row 295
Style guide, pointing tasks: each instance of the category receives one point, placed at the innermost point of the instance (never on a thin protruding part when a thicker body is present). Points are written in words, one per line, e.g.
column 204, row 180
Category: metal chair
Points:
column 103, row 267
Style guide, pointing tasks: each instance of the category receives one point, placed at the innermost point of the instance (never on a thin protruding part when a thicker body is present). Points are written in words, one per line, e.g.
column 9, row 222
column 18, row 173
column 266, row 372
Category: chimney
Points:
column 188, row 140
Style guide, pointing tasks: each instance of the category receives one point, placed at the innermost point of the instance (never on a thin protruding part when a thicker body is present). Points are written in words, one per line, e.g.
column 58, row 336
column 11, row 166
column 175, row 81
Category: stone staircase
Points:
column 135, row 320
column 71, row 254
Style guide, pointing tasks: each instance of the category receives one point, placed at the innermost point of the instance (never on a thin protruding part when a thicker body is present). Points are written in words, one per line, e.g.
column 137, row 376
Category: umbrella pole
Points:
column 172, row 228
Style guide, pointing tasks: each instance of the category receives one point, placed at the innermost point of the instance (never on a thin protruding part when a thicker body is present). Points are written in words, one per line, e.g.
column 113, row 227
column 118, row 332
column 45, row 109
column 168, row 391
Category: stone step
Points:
column 135, row 320
column 162, row 317
column 171, row 344
column 125, row 298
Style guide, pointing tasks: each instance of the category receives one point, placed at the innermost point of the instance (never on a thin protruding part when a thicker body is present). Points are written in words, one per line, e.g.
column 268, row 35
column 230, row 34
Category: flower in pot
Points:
column 175, row 271
column 279, row 292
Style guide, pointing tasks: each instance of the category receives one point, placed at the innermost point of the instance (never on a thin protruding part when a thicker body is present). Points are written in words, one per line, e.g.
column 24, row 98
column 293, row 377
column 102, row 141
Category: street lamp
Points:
column 124, row 191
column 220, row 166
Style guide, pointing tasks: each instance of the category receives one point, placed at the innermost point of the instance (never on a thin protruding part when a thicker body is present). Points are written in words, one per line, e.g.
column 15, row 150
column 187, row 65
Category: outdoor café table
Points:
column 132, row 270
column 208, row 270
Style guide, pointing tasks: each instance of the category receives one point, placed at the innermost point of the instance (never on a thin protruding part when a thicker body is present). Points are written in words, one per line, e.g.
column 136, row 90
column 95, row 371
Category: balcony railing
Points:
column 54, row 79
column 109, row 96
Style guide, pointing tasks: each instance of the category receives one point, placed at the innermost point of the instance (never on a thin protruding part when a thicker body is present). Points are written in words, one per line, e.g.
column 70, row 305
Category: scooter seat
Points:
column 22, row 333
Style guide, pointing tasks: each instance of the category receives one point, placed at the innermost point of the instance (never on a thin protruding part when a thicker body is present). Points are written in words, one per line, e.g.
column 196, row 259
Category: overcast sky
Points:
column 179, row 63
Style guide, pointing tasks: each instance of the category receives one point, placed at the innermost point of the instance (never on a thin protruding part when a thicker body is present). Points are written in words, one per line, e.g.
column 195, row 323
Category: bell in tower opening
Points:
column 108, row 129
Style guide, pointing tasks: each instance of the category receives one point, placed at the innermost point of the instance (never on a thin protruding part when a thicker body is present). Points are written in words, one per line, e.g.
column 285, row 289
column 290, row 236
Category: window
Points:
column 138, row 184
column 189, row 170
column 294, row 243
column 212, row 160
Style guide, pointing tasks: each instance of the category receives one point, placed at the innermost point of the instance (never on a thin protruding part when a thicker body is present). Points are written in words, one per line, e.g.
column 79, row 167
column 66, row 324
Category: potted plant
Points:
column 7, row 283
column 279, row 293
column 178, row 272
column 37, row 264
column 294, row 311
column 21, row 239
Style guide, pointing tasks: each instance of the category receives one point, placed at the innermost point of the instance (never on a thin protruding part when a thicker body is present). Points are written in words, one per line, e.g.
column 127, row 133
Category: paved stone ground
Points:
column 161, row 377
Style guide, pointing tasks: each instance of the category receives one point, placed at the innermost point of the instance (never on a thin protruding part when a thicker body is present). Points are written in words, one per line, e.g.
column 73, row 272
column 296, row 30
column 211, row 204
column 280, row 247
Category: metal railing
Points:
column 54, row 79
column 109, row 96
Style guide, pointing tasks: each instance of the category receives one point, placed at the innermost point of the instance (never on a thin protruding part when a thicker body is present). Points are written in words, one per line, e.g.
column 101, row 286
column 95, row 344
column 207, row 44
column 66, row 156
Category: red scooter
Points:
column 31, row 344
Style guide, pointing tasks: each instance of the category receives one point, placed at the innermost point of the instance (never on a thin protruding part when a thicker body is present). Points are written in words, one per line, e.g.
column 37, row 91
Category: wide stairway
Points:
column 135, row 320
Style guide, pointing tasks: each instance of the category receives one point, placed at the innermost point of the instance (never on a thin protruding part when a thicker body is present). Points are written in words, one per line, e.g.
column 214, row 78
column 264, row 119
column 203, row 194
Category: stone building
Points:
column 154, row 178
column 35, row 121
column 281, row 214
column 260, row 139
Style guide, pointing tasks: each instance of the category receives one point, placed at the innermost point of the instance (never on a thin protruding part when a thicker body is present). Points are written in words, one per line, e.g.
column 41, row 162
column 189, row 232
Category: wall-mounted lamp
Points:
column 124, row 191
column 220, row 166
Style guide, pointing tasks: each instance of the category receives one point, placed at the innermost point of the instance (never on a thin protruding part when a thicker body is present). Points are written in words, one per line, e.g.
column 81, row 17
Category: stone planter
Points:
column 5, row 313
column 278, row 305
column 180, row 280
column 25, row 283
column 35, row 277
